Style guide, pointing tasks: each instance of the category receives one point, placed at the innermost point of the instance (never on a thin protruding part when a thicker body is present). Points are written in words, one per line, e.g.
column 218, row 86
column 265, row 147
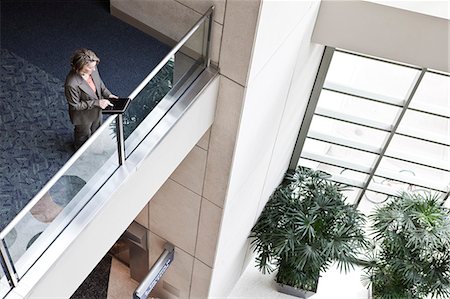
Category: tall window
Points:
column 378, row 126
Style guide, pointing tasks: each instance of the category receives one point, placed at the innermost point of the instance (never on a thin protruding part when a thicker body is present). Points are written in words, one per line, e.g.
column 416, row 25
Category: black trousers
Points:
column 82, row 132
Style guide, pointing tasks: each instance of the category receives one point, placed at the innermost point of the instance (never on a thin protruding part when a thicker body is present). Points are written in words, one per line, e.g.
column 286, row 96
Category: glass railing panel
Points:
column 193, row 53
column 40, row 222
column 148, row 98
column 194, row 50
column 180, row 68
column 37, row 226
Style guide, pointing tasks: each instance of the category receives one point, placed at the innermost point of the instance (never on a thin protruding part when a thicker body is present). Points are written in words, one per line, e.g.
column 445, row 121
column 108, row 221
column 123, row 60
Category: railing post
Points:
column 120, row 139
column 7, row 264
column 208, row 38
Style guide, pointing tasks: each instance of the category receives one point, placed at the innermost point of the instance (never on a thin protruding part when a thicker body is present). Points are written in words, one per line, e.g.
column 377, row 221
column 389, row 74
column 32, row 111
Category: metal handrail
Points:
column 55, row 178
column 209, row 13
column 171, row 53
column 7, row 264
column 106, row 124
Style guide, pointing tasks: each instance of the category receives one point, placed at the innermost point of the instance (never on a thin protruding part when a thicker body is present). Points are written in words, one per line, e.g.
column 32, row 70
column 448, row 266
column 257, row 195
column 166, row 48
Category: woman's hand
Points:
column 104, row 103
column 113, row 96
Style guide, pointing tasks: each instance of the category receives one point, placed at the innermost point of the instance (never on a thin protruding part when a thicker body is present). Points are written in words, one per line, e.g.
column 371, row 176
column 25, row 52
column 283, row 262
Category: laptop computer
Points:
column 119, row 106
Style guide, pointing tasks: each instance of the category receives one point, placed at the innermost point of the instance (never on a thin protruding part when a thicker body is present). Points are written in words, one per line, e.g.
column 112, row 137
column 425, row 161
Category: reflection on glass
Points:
column 358, row 107
column 148, row 98
column 375, row 197
column 55, row 208
column 358, row 177
column 51, row 214
column 348, row 131
column 180, row 70
column 195, row 46
column 371, row 200
column 412, row 173
column 395, row 186
column 352, row 192
column 370, row 75
column 191, row 55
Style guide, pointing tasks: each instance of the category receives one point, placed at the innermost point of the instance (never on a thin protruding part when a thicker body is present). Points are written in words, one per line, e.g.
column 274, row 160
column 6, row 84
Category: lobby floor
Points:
column 332, row 285
column 120, row 283
column 110, row 279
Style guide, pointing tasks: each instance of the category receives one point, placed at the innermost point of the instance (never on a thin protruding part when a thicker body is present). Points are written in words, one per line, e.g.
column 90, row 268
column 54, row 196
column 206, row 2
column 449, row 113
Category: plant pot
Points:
column 286, row 289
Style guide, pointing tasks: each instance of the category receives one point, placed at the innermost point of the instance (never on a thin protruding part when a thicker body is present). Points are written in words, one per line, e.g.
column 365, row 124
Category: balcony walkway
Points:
column 37, row 40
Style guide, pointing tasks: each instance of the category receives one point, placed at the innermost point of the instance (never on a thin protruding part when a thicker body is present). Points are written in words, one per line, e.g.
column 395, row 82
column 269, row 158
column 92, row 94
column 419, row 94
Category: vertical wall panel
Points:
column 222, row 140
column 281, row 76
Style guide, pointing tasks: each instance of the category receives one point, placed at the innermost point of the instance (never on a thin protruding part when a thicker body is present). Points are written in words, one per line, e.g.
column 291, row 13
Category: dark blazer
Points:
column 83, row 102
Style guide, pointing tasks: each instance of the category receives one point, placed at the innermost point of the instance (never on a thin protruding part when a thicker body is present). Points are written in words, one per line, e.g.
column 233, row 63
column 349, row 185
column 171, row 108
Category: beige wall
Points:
column 283, row 65
column 209, row 204
column 153, row 166
column 173, row 18
column 188, row 208
column 222, row 185
column 178, row 213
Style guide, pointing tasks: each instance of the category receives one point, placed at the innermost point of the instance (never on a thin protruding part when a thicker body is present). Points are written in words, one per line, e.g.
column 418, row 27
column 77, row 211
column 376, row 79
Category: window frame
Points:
column 311, row 110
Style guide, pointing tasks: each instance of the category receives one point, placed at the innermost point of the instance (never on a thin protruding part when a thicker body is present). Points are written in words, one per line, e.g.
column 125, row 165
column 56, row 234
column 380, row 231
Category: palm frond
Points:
column 305, row 226
column 413, row 258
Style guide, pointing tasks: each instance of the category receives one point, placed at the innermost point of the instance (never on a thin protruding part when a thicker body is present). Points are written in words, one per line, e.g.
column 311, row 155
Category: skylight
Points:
column 379, row 126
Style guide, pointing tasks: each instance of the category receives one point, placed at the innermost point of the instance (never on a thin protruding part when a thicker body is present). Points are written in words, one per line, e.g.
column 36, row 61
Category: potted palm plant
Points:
column 304, row 227
column 412, row 255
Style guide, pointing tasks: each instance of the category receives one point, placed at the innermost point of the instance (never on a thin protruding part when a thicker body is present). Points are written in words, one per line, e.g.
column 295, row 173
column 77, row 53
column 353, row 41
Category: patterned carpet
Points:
column 46, row 32
column 95, row 286
column 37, row 39
column 36, row 133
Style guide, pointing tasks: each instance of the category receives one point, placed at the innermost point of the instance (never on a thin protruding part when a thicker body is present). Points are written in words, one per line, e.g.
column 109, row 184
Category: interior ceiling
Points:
column 440, row 9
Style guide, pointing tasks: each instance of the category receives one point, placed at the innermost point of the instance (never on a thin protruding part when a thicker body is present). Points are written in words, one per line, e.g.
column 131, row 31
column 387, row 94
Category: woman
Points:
column 86, row 95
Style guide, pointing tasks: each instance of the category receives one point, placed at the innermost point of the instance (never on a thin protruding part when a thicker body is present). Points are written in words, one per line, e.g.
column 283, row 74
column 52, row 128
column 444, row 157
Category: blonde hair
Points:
column 81, row 57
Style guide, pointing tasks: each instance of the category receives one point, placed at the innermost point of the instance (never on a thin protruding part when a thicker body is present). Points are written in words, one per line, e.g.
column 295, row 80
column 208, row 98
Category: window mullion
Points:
column 411, row 93
column 312, row 104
